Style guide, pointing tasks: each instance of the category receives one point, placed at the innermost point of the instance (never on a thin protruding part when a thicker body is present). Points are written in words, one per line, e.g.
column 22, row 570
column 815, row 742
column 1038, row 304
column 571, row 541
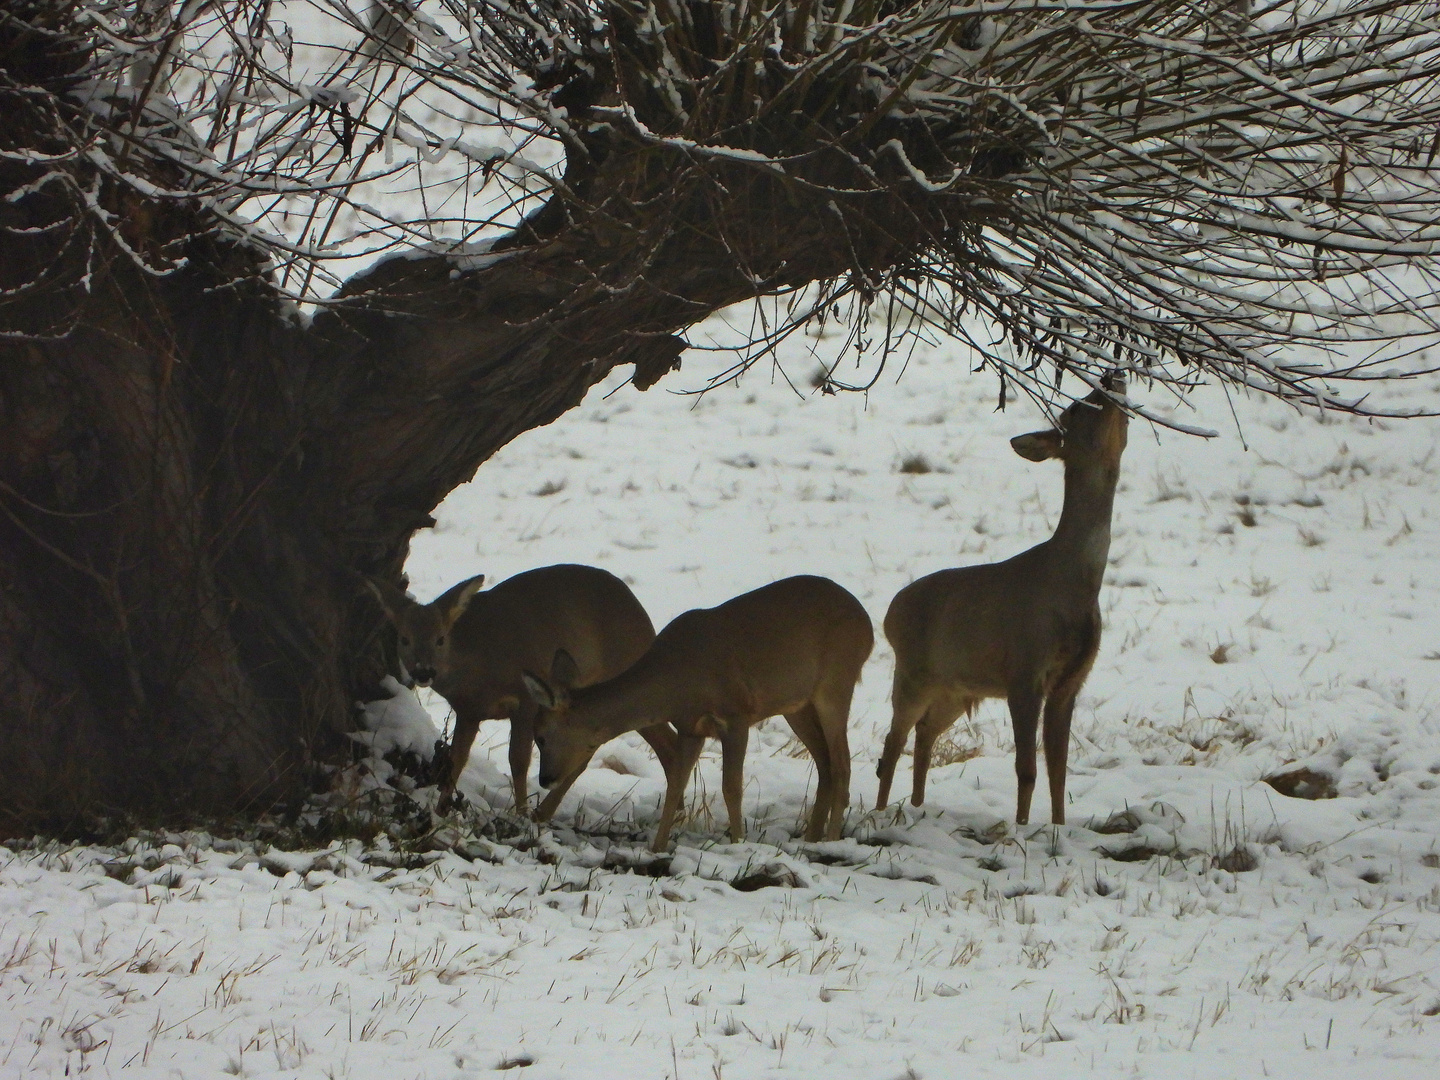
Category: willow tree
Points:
column 277, row 276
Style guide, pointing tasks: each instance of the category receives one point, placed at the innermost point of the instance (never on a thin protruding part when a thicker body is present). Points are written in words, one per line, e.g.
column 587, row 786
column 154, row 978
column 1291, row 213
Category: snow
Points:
column 1271, row 603
column 398, row 722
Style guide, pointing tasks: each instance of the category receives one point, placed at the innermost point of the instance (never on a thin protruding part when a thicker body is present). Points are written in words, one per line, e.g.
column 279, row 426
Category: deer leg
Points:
column 909, row 707
column 687, row 752
column 936, row 721
column 1059, row 710
column 467, row 723
column 661, row 738
column 733, row 743
column 806, row 725
column 522, row 745
column 546, row 810
column 1024, row 718
column 926, row 732
column 1059, row 707
column 833, row 714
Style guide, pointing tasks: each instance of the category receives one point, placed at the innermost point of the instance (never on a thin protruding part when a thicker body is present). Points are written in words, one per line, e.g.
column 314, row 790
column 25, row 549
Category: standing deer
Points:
column 1026, row 629
column 473, row 646
column 794, row 647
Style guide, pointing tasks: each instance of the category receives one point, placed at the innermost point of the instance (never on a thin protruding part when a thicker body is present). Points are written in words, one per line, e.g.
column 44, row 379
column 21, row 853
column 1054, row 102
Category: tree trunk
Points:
column 193, row 478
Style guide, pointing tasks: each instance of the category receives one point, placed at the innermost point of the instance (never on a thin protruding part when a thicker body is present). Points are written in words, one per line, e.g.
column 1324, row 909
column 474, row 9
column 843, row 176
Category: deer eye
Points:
column 404, row 641
column 440, row 640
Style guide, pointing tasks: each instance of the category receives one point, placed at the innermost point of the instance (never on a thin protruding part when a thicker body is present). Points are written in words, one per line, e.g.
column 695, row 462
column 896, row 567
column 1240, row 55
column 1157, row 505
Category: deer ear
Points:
column 1038, row 445
column 452, row 603
column 538, row 689
column 392, row 599
column 564, row 672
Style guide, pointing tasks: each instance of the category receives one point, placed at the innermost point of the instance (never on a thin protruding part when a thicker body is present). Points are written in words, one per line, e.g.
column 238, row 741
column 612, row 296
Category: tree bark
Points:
column 192, row 479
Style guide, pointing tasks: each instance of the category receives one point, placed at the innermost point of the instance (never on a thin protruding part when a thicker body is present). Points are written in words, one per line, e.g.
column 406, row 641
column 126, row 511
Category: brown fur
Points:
column 1026, row 629
column 793, row 648
column 473, row 647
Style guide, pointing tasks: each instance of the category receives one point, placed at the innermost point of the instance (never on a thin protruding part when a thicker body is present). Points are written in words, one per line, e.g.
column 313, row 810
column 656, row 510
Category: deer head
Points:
column 565, row 747
column 423, row 630
column 1092, row 429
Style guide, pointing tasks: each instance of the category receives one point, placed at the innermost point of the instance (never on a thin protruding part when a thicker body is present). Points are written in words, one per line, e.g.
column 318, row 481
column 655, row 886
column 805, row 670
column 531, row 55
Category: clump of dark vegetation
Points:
column 1303, row 784
column 769, row 876
column 1133, row 853
column 348, row 805
column 1122, row 821
column 1238, row 860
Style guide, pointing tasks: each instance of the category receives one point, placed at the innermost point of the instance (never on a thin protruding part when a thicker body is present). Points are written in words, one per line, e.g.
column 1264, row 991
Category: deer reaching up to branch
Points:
column 473, row 646
column 793, row 648
column 1026, row 629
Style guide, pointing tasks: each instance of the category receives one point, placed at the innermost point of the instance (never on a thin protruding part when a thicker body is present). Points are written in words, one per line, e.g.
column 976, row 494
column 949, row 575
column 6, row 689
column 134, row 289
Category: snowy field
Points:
column 1272, row 598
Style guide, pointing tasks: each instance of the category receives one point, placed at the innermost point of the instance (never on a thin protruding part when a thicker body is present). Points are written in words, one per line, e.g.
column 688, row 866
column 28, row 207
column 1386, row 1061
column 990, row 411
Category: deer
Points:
column 472, row 647
column 1026, row 629
column 794, row 648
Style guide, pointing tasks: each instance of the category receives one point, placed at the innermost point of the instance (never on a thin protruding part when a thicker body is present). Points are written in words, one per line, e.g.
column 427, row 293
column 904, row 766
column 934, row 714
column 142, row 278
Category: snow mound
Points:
column 398, row 722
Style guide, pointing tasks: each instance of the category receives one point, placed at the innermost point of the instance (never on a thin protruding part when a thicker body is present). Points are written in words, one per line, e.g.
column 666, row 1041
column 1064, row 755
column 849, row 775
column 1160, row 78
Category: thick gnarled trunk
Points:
column 192, row 480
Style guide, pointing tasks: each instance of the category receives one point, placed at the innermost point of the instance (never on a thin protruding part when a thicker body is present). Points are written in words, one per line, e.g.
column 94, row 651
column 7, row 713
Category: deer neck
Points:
column 1083, row 535
column 647, row 693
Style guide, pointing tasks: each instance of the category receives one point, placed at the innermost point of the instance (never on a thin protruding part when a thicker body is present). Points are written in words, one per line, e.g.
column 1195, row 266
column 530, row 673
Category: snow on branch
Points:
column 1181, row 187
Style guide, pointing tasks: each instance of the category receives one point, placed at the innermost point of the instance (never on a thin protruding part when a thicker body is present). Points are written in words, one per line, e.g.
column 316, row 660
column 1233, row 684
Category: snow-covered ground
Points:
column 1272, row 598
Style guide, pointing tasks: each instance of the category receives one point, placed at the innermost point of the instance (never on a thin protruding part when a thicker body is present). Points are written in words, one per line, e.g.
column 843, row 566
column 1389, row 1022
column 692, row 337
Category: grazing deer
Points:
column 1026, row 629
column 472, row 648
column 794, row 647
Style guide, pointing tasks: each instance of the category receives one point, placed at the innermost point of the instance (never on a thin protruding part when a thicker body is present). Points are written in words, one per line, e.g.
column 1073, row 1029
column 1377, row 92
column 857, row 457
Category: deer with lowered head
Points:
column 793, row 648
column 472, row 647
column 1027, row 629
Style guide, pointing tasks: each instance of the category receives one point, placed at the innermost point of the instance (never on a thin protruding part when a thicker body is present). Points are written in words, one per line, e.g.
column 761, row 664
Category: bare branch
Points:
column 1186, row 189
